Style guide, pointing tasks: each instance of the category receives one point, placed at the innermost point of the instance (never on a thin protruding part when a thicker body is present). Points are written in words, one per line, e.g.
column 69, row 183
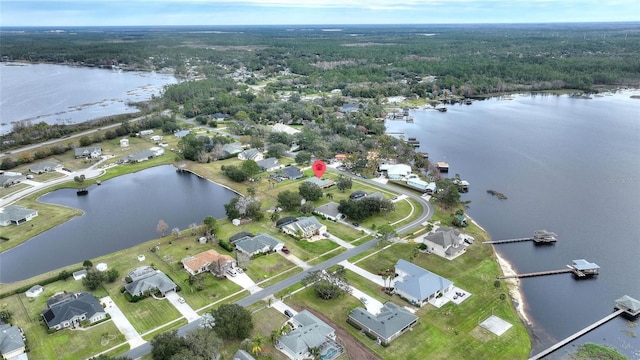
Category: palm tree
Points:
column 315, row 352
column 256, row 344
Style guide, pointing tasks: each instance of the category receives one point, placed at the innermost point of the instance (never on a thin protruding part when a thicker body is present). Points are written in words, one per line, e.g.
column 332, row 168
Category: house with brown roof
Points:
column 209, row 260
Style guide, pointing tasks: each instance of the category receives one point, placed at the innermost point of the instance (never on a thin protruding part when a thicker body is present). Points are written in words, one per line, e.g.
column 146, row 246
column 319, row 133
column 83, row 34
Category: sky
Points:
column 309, row 12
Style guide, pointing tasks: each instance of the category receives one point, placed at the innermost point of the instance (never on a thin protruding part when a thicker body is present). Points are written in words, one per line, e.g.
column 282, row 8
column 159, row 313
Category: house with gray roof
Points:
column 291, row 172
column 418, row 285
column 144, row 280
column 139, row 156
column 329, row 211
column 80, row 274
column 67, row 310
column 12, row 345
column 309, row 332
column 89, row 152
column 445, row 242
column 390, row 323
column 232, row 148
column 16, row 215
column 182, row 133
column 322, row 183
column 242, row 355
column 7, row 179
column 43, row 167
column 251, row 154
column 259, row 244
column 305, row 227
column 269, row 164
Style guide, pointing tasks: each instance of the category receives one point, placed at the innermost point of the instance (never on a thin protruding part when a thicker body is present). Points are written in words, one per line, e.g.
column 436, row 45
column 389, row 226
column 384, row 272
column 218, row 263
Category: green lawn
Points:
column 64, row 344
column 48, row 217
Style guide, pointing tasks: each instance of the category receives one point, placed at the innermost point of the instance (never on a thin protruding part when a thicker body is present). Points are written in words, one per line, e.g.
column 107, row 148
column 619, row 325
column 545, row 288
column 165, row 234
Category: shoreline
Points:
column 513, row 284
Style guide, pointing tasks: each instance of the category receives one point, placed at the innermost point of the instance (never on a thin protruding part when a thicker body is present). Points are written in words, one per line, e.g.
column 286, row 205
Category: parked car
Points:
column 231, row 273
column 355, row 224
column 364, row 300
column 285, row 250
column 288, row 313
column 181, row 300
column 65, row 169
column 239, row 270
column 29, row 177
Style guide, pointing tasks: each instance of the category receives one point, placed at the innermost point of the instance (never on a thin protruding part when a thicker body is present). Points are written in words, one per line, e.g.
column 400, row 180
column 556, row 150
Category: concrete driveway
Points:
column 183, row 308
column 245, row 282
column 281, row 306
column 122, row 323
column 373, row 305
column 362, row 272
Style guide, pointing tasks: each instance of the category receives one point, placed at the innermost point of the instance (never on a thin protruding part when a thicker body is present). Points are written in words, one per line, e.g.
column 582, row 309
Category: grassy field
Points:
column 65, row 344
column 48, row 217
column 451, row 332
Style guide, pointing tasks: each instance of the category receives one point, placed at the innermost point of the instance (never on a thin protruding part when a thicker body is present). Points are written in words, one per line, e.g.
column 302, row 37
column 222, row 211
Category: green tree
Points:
column 231, row 209
column 310, row 191
column 303, row 158
column 87, row 264
column 210, row 224
column 112, row 275
column 84, row 141
column 447, row 193
column 235, row 173
column 386, row 233
column 344, row 183
column 93, row 280
column 250, row 168
column 251, row 190
column 307, row 208
column 64, row 275
column 203, row 343
column 275, row 216
column 233, row 322
column 289, row 200
column 276, row 150
column 165, row 345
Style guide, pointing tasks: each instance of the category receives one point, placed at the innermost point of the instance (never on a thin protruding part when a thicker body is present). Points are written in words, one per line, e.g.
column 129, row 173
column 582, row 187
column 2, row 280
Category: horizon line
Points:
column 335, row 24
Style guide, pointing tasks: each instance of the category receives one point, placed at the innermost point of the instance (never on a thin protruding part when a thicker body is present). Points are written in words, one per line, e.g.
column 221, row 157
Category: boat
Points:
column 82, row 192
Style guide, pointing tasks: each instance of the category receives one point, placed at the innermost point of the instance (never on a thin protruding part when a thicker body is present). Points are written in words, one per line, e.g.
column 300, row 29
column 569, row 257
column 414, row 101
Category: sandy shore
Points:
column 514, row 287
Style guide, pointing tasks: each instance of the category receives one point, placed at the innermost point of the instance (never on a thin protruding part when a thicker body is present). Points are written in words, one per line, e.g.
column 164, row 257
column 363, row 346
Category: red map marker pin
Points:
column 318, row 168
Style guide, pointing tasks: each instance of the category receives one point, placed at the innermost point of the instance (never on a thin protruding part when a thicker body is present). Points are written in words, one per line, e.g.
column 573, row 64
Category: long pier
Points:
column 576, row 335
column 508, row 241
column 539, row 273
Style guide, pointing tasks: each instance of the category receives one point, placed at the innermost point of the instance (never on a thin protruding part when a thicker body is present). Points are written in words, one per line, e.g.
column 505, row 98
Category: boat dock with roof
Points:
column 581, row 268
column 625, row 304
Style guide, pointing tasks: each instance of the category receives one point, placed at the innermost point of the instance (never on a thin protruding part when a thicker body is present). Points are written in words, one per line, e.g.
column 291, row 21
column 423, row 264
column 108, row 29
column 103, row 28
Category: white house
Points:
column 418, row 184
column 395, row 171
column 251, row 154
column 305, row 227
column 80, row 274
column 34, row 291
column 156, row 138
column 157, row 151
column 446, row 243
column 16, row 215
column 124, row 143
column 90, row 152
column 329, row 211
column 145, row 132
column 269, row 164
column 308, row 332
column 284, row 128
column 418, row 285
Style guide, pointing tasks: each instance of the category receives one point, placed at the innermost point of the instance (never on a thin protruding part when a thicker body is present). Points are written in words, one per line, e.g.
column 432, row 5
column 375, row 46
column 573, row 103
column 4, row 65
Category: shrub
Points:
column 225, row 245
column 353, row 323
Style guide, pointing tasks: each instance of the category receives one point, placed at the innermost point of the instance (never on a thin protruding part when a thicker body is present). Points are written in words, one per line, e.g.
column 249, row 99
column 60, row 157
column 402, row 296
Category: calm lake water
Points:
column 567, row 165
column 120, row 213
column 58, row 94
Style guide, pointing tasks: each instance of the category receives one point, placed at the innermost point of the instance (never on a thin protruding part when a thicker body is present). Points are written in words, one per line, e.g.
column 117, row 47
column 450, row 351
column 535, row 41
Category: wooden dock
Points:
column 532, row 274
column 575, row 336
column 508, row 241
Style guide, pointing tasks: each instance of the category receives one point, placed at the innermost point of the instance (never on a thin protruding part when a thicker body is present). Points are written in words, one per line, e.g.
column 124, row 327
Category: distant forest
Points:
column 362, row 61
